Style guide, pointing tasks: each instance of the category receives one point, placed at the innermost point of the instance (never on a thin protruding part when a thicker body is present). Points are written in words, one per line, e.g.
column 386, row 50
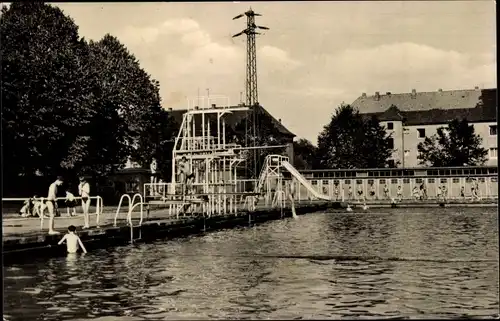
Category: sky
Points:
column 315, row 56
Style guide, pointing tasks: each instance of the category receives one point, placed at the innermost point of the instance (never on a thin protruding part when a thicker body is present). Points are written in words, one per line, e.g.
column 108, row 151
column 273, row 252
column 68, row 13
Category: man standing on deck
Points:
column 153, row 168
column 84, row 192
column 51, row 203
column 186, row 177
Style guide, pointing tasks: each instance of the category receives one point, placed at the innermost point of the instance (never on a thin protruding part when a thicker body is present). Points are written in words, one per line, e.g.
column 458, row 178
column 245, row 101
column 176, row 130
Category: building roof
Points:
column 482, row 113
column 483, row 110
column 415, row 101
column 232, row 119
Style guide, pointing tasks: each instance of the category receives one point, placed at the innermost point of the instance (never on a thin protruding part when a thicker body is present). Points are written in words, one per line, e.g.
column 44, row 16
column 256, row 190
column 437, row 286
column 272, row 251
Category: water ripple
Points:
column 440, row 264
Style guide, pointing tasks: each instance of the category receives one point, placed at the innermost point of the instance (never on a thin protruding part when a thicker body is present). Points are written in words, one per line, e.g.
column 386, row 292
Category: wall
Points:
column 411, row 141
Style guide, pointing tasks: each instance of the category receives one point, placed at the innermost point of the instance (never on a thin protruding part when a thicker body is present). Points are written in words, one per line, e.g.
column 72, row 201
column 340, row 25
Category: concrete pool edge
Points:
column 26, row 247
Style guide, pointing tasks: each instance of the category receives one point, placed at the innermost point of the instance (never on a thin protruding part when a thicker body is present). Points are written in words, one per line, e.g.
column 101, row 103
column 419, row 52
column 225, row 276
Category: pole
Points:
column 403, row 143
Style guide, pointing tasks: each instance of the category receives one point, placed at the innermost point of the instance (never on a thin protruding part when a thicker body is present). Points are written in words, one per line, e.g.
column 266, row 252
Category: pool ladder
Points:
column 132, row 204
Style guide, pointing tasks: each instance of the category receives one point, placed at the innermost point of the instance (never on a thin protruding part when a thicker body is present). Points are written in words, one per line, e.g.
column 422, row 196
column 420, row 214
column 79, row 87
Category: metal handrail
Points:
column 119, row 206
column 133, row 205
column 99, row 206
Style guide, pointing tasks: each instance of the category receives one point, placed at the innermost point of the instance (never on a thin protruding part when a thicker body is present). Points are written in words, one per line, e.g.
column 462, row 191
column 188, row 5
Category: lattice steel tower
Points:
column 252, row 96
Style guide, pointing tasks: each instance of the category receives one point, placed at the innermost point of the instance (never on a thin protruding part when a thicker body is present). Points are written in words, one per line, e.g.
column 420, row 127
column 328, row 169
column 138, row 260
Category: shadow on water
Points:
column 400, row 264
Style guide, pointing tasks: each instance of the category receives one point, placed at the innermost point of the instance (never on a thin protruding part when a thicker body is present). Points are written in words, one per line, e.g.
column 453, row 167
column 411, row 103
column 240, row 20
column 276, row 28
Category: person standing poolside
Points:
column 336, row 192
column 360, row 192
column 439, row 193
column 84, row 192
column 349, row 193
column 51, row 203
column 444, row 189
column 186, row 176
column 72, row 241
column 153, row 168
column 423, row 191
column 386, row 191
column 373, row 191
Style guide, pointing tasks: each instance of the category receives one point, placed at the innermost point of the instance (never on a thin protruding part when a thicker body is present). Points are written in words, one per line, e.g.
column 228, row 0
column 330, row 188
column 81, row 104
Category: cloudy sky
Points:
column 315, row 56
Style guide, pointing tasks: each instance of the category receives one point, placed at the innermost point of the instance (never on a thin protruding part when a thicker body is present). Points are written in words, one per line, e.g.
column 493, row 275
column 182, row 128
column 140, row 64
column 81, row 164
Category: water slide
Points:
column 304, row 181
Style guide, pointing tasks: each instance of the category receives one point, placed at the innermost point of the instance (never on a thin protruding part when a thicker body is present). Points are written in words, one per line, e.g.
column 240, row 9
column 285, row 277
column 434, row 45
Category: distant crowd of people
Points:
column 418, row 192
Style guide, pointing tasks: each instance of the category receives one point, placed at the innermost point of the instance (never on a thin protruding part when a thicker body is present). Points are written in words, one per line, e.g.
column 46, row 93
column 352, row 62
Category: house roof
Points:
column 482, row 113
column 451, row 99
column 233, row 118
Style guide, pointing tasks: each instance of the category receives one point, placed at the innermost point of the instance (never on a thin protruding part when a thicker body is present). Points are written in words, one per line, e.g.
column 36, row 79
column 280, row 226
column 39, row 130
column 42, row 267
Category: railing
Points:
column 131, row 206
column 153, row 188
column 99, row 205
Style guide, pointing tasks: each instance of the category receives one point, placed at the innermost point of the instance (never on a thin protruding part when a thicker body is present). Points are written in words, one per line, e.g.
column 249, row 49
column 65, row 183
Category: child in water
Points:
column 72, row 241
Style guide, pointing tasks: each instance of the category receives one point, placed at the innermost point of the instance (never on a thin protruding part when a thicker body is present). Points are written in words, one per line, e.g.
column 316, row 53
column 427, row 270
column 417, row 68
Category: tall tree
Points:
column 46, row 96
column 69, row 105
column 305, row 154
column 350, row 141
column 457, row 145
column 130, row 121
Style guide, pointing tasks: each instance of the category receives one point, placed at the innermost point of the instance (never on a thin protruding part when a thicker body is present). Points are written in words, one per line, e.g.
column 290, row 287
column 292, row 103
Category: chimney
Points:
column 170, row 109
column 196, row 107
column 279, row 120
column 388, row 93
column 476, row 88
column 377, row 95
column 440, row 90
column 363, row 95
column 213, row 105
column 413, row 93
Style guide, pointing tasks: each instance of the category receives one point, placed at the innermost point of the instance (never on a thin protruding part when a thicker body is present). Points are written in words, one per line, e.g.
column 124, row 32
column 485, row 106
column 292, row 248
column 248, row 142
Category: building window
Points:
column 390, row 141
column 493, row 130
column 391, row 163
column 390, row 126
column 421, row 132
column 494, row 152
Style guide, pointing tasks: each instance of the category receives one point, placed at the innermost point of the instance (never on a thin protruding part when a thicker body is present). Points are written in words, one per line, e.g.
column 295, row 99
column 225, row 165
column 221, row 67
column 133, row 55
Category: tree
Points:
column 157, row 141
column 305, row 154
column 70, row 106
column 350, row 141
column 453, row 146
column 46, row 97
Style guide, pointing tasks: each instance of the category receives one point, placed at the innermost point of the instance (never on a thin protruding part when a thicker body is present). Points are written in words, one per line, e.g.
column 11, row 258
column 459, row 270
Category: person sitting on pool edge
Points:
column 70, row 203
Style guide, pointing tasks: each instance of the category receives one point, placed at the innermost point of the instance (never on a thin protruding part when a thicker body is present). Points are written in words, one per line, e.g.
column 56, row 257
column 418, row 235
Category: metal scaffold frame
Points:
column 212, row 160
